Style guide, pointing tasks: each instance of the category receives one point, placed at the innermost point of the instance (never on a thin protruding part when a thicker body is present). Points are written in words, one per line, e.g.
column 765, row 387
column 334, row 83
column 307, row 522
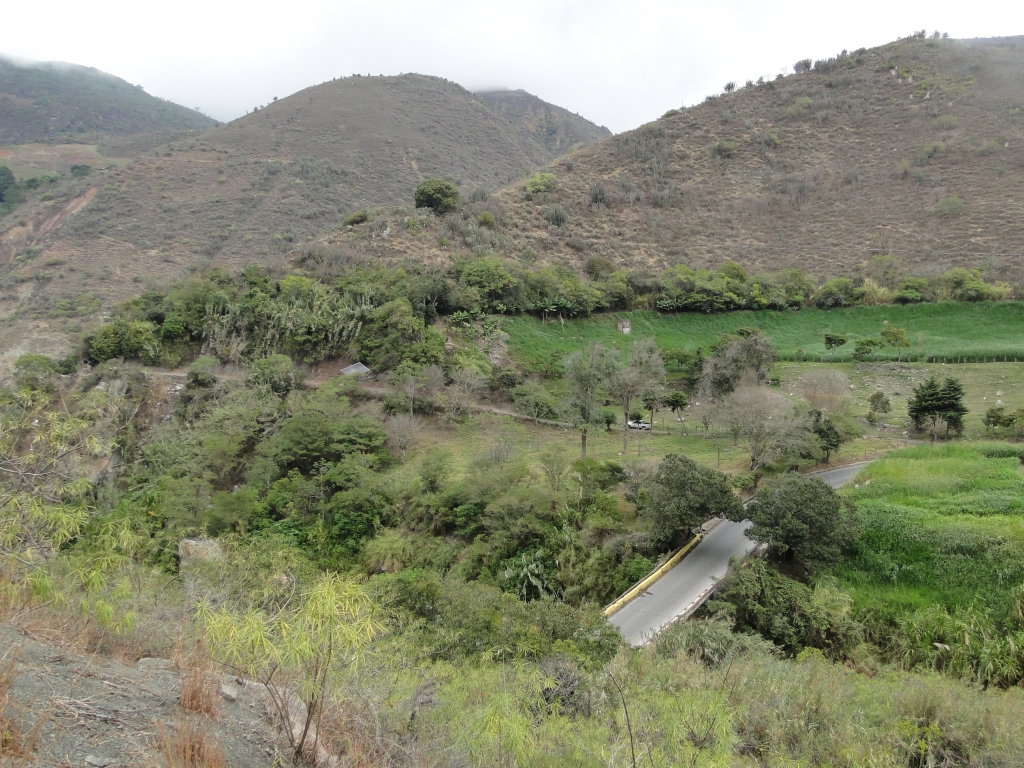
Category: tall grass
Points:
column 941, row 526
column 943, row 332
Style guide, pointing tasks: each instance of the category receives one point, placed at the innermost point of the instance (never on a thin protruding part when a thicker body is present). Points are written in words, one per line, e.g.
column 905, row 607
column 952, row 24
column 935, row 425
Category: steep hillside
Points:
column 915, row 148
column 252, row 190
column 55, row 101
column 553, row 128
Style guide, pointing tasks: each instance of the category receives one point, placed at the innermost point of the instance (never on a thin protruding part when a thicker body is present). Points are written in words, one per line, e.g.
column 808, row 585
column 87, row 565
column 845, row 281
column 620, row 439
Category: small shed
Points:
column 625, row 326
column 356, row 369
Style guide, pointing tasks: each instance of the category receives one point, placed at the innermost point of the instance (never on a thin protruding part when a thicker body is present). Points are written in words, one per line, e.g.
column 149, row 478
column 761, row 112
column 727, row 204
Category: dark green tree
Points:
column 7, row 183
column 437, row 194
column 828, row 433
column 683, row 495
column 833, row 341
column 801, row 518
column 676, row 401
column 933, row 403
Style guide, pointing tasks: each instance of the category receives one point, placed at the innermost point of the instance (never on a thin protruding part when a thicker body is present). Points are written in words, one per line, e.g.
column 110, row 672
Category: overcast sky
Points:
column 618, row 63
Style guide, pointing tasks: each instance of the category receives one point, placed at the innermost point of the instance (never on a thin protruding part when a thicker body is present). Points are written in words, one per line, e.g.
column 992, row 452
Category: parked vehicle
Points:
column 638, row 425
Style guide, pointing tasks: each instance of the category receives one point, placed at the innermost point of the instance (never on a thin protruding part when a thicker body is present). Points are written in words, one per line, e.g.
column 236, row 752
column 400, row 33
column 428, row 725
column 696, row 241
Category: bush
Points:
column 946, row 122
column 437, row 194
column 276, row 372
column 948, row 206
column 598, row 195
column 486, row 219
column 130, row 339
column 556, row 215
column 540, row 183
column 358, row 217
column 724, row 149
column 804, row 65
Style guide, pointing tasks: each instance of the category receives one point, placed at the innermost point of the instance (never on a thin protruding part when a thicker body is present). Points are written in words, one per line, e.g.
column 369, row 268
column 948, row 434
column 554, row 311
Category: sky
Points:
column 617, row 63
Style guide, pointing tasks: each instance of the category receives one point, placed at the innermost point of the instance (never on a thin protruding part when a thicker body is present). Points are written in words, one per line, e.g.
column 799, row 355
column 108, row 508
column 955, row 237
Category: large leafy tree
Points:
column 683, row 495
column 801, row 518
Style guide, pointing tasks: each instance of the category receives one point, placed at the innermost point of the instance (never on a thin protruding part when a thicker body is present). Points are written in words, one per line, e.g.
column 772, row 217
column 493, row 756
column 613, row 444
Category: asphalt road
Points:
column 650, row 611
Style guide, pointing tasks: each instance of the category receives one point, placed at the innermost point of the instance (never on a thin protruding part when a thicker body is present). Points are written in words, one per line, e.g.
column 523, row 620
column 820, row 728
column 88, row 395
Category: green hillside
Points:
column 56, row 101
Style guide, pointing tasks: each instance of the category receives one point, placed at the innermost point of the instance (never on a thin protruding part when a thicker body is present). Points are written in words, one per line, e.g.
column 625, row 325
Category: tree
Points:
column 830, row 437
column 896, row 337
column 768, row 424
column 437, row 194
column 682, row 496
column 586, row 374
column 642, row 375
column 826, row 391
column 676, row 401
column 408, row 377
column 865, row 348
column 879, row 402
column 292, row 652
column 833, row 341
column 750, row 356
column 277, row 373
column 801, row 517
column 7, row 183
column 534, row 401
column 933, row 402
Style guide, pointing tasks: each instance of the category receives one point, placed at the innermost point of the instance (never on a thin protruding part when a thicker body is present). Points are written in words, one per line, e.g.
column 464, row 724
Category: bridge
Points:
column 679, row 587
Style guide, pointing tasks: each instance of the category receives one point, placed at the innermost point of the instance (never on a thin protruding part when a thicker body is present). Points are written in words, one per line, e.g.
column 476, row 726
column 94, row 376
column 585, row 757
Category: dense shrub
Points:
column 437, row 194
column 540, row 182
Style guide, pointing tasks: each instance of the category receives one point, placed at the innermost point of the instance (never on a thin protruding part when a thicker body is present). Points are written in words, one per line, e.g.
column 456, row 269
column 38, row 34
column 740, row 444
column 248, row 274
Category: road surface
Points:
column 650, row 611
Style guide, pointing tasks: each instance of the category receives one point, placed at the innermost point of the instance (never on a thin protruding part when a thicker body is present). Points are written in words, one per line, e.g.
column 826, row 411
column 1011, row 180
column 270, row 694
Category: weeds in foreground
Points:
column 191, row 746
column 15, row 743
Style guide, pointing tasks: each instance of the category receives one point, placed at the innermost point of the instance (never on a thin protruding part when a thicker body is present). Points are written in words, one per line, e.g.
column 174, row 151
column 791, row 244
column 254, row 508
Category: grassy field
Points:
column 943, row 525
column 985, row 384
column 946, row 331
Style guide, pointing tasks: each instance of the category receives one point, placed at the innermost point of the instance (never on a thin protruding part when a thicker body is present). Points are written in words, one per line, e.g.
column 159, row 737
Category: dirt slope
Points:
column 62, row 708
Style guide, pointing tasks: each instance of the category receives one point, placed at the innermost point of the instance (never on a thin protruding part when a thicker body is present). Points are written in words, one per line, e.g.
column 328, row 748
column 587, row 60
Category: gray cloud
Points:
column 617, row 63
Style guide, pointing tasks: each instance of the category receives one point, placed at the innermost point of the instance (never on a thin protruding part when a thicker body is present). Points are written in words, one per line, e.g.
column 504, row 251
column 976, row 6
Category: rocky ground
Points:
column 64, row 709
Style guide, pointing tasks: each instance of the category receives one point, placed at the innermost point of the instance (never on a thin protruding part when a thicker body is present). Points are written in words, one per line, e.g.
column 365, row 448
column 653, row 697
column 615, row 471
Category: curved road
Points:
column 682, row 587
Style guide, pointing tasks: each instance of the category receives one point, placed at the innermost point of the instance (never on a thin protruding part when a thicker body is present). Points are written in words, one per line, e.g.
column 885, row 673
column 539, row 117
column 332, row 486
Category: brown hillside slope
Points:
column 816, row 170
column 251, row 190
column 554, row 128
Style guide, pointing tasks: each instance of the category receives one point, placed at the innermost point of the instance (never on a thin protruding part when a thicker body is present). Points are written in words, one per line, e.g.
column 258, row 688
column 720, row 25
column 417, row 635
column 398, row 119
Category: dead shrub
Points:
column 14, row 742
column 191, row 746
column 198, row 688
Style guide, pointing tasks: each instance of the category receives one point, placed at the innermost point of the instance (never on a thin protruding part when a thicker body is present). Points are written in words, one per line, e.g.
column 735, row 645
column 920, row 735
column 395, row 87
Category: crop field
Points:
column 946, row 331
column 942, row 525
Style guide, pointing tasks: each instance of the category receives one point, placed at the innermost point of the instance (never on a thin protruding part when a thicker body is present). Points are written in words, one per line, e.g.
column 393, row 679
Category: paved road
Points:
column 650, row 611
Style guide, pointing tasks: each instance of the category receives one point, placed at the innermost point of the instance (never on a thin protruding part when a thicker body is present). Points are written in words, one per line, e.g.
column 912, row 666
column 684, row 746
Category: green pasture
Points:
column 941, row 525
column 947, row 331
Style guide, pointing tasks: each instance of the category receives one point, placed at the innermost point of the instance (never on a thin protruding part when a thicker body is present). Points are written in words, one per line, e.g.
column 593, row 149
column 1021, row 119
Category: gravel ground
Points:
column 74, row 710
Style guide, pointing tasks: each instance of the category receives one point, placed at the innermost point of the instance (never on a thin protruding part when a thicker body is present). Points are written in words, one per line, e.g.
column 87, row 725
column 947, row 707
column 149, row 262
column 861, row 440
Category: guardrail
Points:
column 652, row 577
